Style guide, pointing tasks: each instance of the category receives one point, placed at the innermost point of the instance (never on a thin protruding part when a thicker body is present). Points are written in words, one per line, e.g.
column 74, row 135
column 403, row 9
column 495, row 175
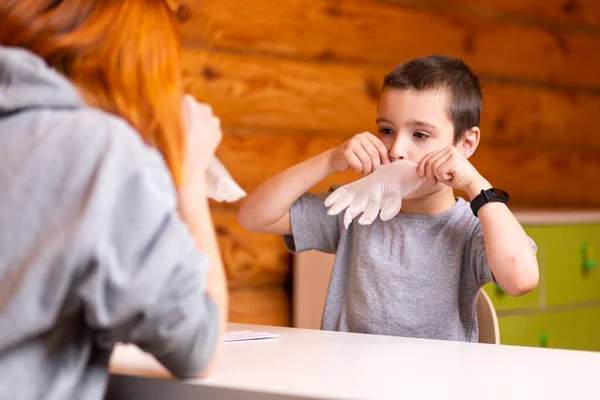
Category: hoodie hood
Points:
column 26, row 82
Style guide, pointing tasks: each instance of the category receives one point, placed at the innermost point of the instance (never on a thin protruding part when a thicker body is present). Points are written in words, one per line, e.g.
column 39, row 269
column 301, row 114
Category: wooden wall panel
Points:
column 539, row 116
column 250, row 259
column 272, row 94
column 534, row 176
column 292, row 78
column 266, row 306
column 269, row 93
column 574, row 13
column 253, row 157
column 384, row 32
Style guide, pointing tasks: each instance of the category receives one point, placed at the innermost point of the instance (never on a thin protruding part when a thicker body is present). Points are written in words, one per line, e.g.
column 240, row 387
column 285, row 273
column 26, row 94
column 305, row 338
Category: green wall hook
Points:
column 588, row 261
column 544, row 340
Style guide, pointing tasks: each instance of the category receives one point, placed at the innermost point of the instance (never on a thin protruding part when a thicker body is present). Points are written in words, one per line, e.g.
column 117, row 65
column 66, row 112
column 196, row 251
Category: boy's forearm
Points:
column 509, row 251
column 272, row 200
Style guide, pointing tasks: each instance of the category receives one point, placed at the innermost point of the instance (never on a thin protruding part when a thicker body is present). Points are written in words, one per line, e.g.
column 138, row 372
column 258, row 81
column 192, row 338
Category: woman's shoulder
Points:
column 92, row 130
column 77, row 143
column 89, row 130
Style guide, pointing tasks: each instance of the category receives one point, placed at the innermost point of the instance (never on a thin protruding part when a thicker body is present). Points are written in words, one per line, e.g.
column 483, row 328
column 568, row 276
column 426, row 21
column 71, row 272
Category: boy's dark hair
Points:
column 445, row 73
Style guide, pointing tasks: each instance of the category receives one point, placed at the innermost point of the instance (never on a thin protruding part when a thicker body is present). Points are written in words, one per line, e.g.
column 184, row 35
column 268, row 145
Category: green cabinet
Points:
column 571, row 274
column 564, row 310
column 574, row 329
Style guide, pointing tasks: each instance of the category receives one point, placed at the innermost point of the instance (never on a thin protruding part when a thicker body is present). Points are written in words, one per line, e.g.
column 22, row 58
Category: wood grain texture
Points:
column 277, row 94
column 293, row 78
column 250, row 259
column 270, row 94
column 576, row 13
column 387, row 33
column 263, row 306
column 534, row 176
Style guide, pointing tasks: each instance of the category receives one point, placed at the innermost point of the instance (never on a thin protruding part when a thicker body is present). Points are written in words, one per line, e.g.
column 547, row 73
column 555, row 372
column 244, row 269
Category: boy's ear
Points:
column 469, row 143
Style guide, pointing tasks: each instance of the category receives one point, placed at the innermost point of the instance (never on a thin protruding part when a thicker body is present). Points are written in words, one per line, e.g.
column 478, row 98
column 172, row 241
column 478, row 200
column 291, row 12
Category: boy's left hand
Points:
column 451, row 168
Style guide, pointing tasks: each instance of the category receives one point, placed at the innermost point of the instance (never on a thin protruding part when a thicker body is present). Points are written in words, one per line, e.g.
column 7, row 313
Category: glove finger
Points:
column 391, row 207
column 339, row 192
column 341, row 204
column 355, row 208
column 370, row 213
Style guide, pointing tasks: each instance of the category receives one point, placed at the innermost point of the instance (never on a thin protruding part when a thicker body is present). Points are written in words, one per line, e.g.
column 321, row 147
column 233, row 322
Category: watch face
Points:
column 500, row 193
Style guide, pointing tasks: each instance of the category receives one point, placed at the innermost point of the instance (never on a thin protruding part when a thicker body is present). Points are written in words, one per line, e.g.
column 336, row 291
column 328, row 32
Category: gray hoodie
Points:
column 92, row 250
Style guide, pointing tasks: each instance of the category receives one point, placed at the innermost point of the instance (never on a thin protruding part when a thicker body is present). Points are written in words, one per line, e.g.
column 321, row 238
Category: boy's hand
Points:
column 363, row 153
column 453, row 169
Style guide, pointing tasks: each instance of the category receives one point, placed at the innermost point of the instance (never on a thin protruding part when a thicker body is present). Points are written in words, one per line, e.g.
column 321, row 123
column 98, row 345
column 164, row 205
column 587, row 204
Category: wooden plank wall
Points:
column 292, row 78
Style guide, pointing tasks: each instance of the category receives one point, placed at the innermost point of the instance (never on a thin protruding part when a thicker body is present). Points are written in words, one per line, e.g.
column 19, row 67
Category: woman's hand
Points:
column 203, row 135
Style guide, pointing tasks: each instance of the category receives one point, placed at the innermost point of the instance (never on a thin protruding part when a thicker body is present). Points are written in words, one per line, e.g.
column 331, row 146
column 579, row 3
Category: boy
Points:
column 417, row 275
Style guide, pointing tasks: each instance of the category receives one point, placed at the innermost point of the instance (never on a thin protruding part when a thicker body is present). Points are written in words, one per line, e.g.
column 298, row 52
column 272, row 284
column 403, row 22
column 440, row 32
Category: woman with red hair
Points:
column 106, row 234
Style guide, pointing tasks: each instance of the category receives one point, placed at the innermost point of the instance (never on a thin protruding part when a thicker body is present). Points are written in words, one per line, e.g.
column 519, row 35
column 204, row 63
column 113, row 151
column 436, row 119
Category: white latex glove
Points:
column 382, row 190
column 220, row 184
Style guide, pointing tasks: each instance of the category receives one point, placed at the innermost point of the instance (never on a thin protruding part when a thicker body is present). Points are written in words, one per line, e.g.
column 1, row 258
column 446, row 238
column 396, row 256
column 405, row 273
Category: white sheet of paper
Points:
column 238, row 336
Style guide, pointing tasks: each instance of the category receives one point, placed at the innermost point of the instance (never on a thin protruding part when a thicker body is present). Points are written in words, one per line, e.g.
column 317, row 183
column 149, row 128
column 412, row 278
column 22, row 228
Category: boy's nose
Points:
column 397, row 152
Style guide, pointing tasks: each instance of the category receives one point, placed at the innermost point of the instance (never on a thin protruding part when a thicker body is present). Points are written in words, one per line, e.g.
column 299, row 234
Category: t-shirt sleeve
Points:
column 478, row 257
column 312, row 227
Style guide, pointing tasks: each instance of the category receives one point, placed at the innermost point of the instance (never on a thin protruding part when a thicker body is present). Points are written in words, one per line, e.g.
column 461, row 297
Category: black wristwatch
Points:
column 489, row 196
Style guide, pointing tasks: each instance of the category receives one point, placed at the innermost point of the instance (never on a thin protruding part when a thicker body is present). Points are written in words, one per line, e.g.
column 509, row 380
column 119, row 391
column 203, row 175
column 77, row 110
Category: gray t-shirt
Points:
column 413, row 276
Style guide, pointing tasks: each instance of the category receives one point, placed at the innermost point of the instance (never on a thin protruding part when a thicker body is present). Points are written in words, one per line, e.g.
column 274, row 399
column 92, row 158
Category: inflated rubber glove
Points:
column 382, row 190
column 220, row 186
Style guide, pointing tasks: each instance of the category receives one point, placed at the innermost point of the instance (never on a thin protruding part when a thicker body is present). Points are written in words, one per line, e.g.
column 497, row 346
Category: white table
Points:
column 310, row 364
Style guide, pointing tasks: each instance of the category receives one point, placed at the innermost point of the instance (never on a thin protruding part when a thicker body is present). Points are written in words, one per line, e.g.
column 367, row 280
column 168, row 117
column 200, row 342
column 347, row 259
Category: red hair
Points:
column 122, row 55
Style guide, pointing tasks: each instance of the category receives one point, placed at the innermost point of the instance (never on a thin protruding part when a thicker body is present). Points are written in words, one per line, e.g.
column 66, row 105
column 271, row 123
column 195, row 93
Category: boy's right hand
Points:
column 363, row 153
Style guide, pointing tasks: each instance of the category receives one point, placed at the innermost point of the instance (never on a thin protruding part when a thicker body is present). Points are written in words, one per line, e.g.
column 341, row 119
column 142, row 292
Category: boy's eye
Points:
column 420, row 135
column 386, row 131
